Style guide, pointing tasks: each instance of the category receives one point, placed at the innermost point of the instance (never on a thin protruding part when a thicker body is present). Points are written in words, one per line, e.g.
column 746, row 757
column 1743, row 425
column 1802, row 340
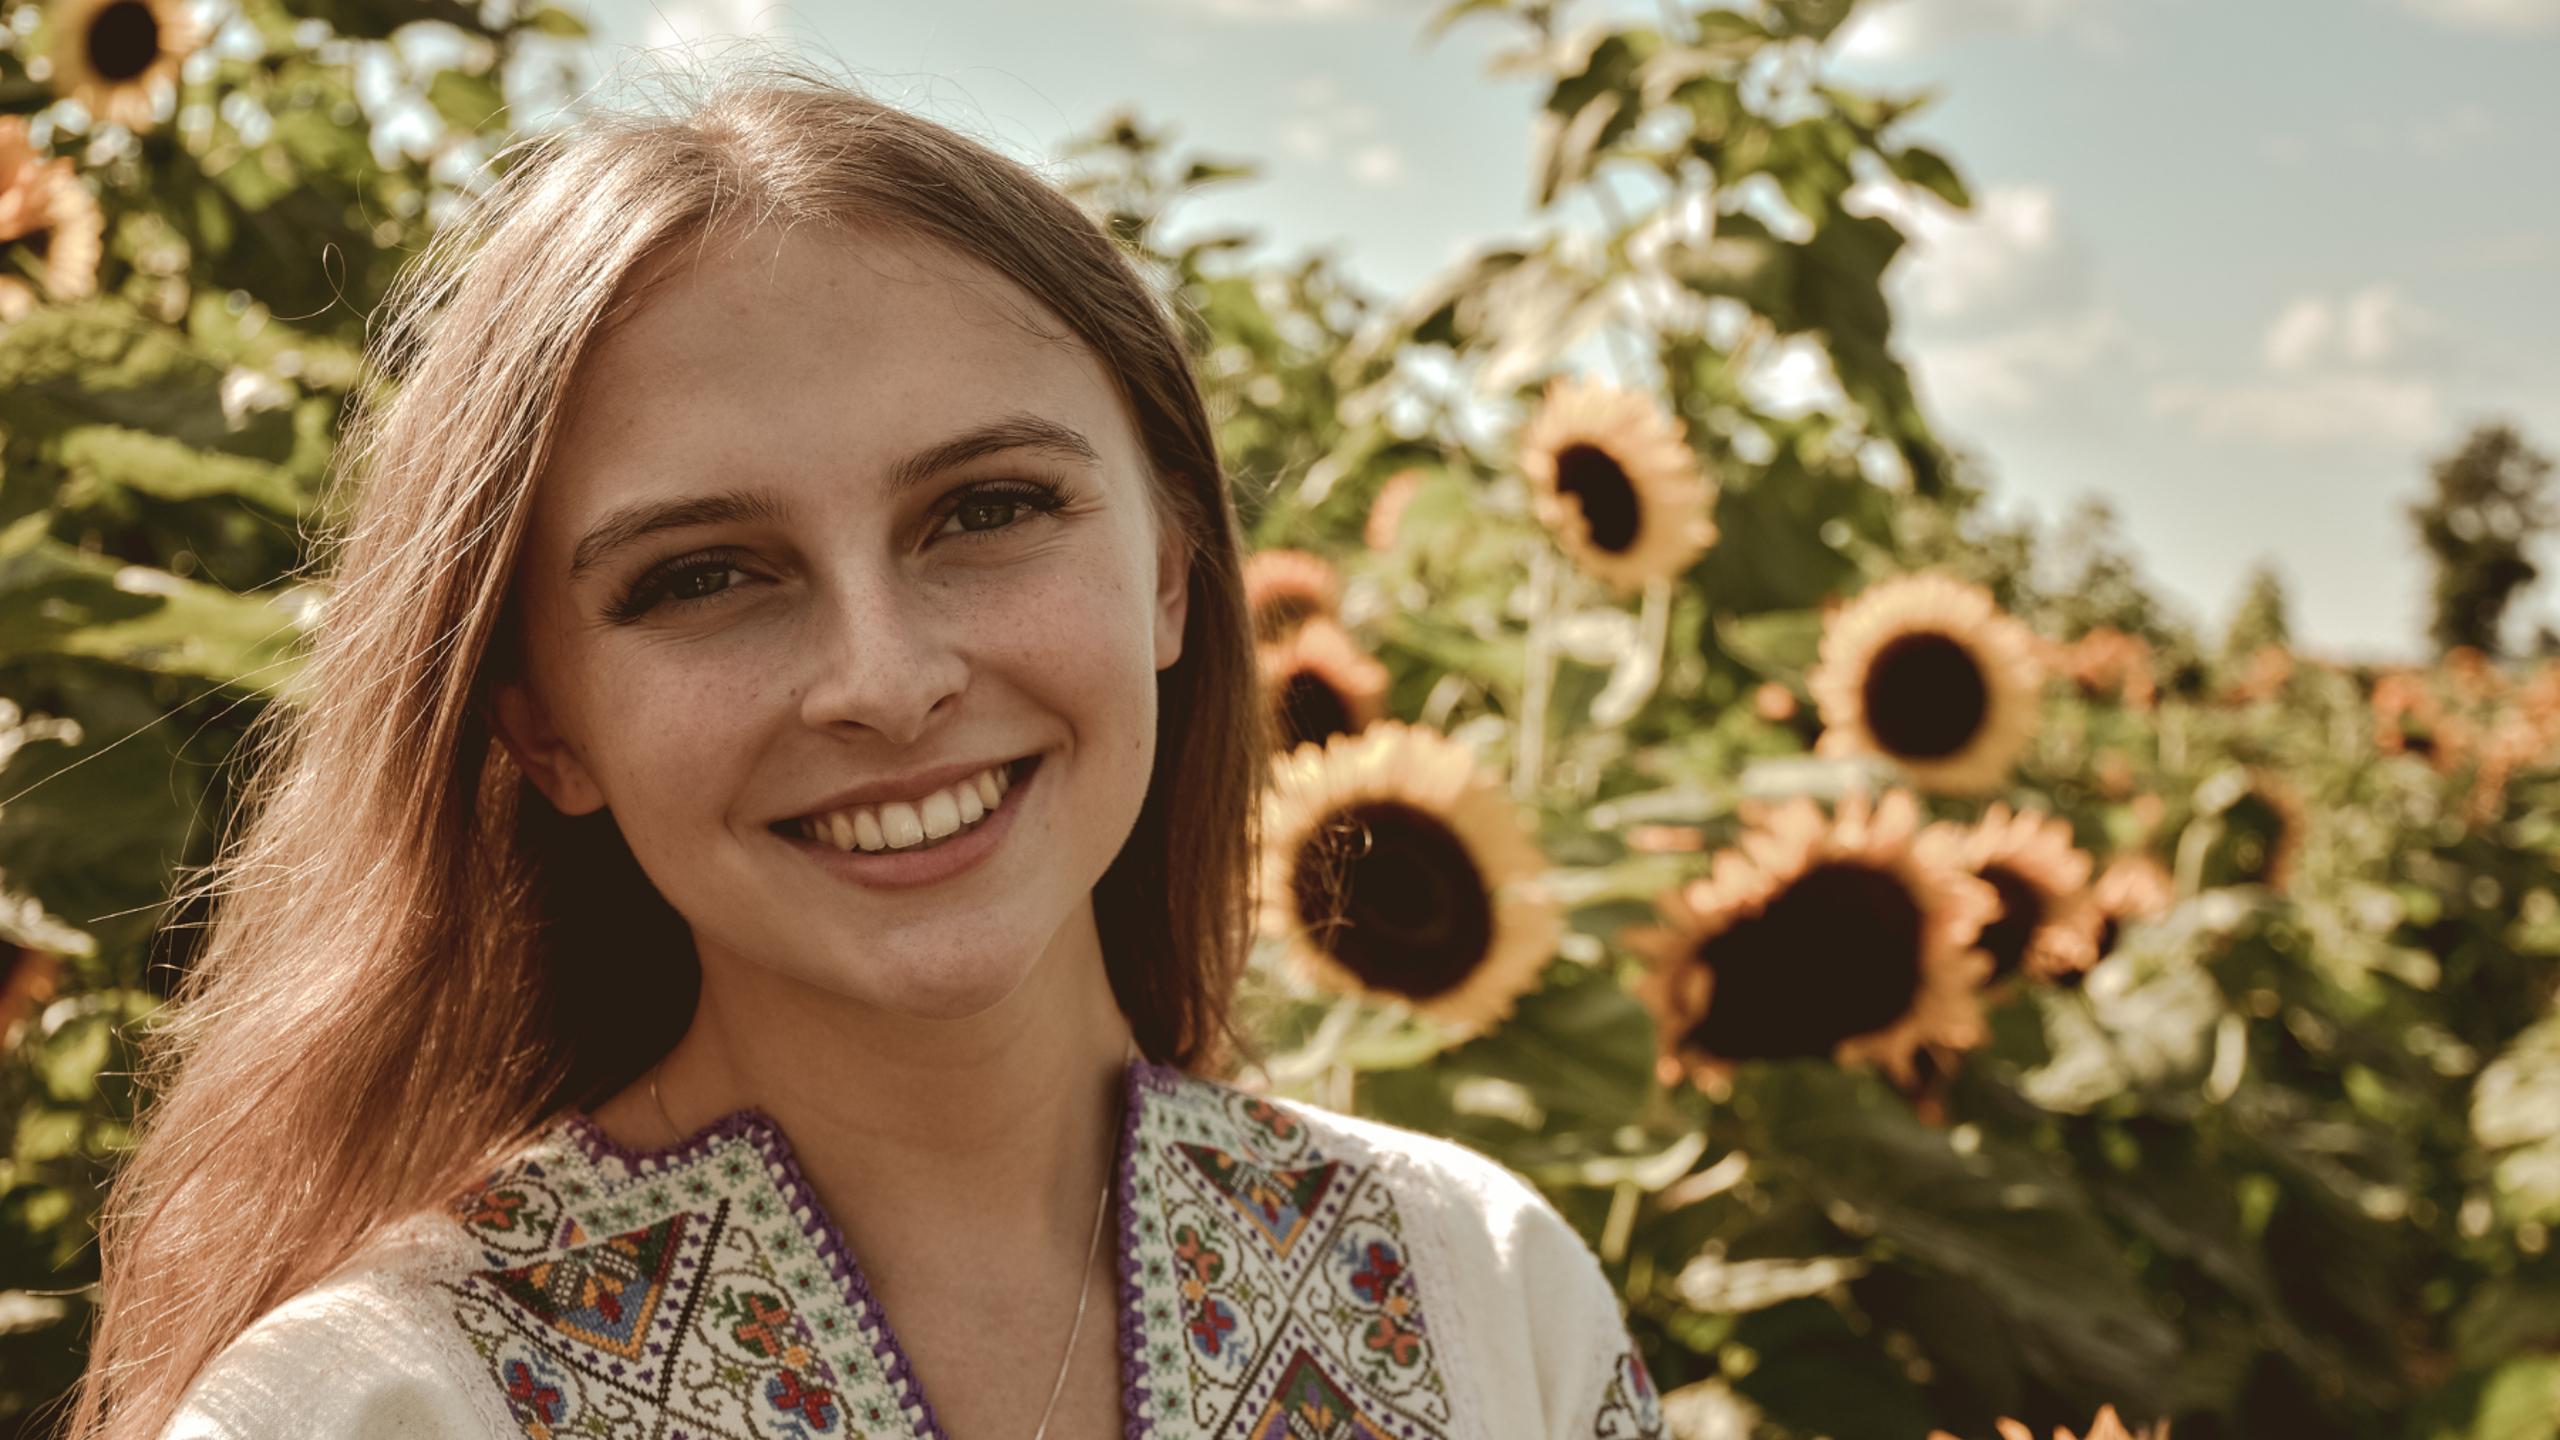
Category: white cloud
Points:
column 2458, row 128
column 2488, row 14
column 1324, row 126
column 1265, row 11
column 2000, row 303
column 2369, row 327
column 2009, row 259
column 683, row 22
column 1380, row 164
column 2315, row 410
column 1898, row 28
column 2011, row 370
column 2364, row 367
column 2298, row 334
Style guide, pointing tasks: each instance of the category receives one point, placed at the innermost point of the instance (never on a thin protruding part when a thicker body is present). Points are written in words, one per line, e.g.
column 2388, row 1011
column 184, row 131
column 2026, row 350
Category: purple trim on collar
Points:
column 753, row 1124
column 1134, row 1420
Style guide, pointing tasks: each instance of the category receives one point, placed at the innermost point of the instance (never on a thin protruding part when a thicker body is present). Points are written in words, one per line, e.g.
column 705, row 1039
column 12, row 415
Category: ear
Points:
column 524, row 726
column 1173, row 593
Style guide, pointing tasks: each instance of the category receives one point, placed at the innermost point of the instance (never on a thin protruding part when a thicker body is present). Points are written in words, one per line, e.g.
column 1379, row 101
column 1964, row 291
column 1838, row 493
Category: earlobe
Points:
column 525, row 728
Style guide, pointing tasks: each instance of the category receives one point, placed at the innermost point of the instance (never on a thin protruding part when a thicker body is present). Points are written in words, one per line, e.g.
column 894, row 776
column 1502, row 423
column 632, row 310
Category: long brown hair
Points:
column 411, row 959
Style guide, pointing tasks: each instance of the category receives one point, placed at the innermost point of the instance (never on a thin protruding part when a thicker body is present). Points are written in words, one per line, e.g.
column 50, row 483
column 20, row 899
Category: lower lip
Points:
column 911, row 868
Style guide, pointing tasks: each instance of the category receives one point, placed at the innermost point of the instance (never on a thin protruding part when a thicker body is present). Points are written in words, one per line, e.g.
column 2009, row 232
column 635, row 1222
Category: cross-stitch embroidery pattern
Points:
column 701, row 1293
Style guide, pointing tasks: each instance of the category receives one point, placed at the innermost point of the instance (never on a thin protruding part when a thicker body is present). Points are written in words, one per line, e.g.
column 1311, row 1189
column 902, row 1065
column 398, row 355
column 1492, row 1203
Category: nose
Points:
column 880, row 655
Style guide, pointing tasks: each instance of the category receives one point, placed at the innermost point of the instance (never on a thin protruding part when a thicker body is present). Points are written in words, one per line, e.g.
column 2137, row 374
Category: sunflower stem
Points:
column 1622, row 1222
column 1528, row 758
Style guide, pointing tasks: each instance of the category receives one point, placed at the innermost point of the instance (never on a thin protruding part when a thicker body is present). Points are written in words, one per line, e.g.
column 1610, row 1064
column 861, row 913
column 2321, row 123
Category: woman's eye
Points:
column 690, row 583
column 1002, row 500
column 680, row 582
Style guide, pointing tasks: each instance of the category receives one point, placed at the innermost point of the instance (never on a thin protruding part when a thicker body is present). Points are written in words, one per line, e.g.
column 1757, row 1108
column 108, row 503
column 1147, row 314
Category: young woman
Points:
column 737, row 942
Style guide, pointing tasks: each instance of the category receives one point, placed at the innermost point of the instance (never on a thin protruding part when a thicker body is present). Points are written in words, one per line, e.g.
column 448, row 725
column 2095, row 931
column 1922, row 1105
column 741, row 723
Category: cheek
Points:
column 672, row 727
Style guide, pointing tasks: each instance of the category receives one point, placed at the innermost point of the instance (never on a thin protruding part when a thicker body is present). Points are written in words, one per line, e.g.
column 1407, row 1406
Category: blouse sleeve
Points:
column 1595, row 1380
column 346, row 1361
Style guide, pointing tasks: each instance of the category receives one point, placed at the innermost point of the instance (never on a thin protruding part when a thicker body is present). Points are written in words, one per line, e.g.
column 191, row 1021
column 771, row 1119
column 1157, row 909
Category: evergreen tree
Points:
column 2492, row 500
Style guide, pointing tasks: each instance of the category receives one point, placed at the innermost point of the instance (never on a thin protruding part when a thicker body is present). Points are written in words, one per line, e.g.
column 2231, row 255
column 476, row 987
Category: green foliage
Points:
column 2491, row 504
column 162, row 440
column 2284, row 1163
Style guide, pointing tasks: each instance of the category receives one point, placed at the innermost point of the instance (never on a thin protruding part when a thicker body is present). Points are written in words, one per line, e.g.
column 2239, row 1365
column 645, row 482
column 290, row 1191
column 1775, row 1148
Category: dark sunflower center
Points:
column 124, row 38
column 1835, row 955
column 2259, row 835
column 1311, row 709
column 1392, row 893
column 1925, row 695
column 2021, row 911
column 1597, row 482
column 1276, row 617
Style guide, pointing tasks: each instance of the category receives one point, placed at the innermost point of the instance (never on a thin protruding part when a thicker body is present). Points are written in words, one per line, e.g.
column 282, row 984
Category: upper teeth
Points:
column 899, row 824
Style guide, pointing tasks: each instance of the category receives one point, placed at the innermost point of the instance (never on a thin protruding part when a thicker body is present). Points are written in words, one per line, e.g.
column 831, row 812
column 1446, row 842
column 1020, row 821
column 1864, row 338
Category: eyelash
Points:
column 646, row 593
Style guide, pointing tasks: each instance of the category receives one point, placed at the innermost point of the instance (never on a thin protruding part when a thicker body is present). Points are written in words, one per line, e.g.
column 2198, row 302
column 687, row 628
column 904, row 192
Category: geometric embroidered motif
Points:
column 1267, row 1288
column 1280, row 1203
column 1629, row 1410
column 603, row 1294
column 1308, row 1406
column 702, row 1292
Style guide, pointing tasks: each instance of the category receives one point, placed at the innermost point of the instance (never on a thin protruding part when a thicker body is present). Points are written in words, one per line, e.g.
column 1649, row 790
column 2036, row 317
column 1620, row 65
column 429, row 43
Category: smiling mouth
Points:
column 797, row 827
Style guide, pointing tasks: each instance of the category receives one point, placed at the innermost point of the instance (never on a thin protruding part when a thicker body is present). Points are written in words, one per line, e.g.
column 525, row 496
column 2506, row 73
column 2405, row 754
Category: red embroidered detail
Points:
column 521, row 1386
column 816, row 1403
column 1209, row 1327
column 1378, row 1273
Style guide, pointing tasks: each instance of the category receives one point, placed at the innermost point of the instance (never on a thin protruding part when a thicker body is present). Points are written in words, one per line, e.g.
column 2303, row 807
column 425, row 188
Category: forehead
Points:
column 840, row 348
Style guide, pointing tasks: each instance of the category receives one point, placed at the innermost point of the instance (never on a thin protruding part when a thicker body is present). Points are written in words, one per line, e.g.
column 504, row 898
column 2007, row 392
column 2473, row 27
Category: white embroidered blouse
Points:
column 1286, row 1273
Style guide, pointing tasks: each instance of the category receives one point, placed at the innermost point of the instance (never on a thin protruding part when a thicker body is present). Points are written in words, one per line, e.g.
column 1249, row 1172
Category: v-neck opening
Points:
column 757, row 1126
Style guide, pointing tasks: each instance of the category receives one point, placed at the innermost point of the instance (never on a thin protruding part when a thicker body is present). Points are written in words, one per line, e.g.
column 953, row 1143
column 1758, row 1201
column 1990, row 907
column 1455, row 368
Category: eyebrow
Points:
column 630, row 524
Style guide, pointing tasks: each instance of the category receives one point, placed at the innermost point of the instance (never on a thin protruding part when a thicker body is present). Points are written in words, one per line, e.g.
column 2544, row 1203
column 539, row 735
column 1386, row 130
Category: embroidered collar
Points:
column 701, row 1292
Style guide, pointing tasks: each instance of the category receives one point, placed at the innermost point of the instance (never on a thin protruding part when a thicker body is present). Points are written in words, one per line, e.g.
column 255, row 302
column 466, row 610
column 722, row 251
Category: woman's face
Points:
column 802, row 601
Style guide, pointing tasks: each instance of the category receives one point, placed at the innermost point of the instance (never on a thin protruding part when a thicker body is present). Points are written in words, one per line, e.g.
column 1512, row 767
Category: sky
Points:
column 2240, row 268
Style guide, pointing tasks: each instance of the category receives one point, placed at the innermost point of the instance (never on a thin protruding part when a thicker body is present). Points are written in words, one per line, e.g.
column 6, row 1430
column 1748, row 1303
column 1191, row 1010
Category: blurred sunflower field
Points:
column 1951, row 996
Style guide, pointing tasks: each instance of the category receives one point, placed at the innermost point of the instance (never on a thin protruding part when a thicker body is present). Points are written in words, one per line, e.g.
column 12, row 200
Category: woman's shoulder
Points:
column 1456, row 1183
column 1535, row 1318
column 363, row 1353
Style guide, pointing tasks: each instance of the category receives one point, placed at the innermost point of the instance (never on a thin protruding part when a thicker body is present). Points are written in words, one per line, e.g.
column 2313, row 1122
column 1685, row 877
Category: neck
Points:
column 1000, row 1125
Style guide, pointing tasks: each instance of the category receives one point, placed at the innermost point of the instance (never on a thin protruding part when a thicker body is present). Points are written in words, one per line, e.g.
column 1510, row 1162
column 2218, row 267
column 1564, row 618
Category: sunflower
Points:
column 2133, row 887
column 46, row 212
column 2262, row 831
column 2109, row 662
column 114, row 56
column 2263, row 676
column 2108, row 1426
column 2045, row 925
column 28, row 978
column 1933, row 1081
column 2474, row 675
column 1614, row 479
column 1386, row 512
column 1773, row 702
column 1394, row 870
column 1847, row 938
column 2409, row 720
column 1666, row 839
column 1927, row 671
column 1321, row 683
column 1283, row 588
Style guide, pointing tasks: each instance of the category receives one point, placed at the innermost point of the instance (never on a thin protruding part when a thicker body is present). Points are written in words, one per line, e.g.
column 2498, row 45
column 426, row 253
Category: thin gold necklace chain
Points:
column 1093, row 1248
